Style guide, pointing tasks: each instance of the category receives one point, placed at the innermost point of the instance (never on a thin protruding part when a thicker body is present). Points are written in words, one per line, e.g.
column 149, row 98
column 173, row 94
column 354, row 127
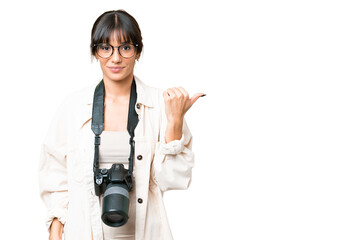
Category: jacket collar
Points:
column 143, row 98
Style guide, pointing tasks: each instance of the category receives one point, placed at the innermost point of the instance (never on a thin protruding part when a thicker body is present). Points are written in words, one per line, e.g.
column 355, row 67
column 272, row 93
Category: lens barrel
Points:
column 115, row 204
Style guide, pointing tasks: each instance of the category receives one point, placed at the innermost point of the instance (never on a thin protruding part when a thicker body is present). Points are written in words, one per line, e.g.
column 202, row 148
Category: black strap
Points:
column 97, row 122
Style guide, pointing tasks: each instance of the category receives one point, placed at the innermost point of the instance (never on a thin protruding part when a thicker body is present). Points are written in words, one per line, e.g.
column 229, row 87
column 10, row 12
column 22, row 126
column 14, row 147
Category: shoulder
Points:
column 148, row 95
column 78, row 100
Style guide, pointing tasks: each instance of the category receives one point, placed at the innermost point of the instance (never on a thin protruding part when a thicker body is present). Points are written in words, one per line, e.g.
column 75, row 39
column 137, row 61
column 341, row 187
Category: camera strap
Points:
column 97, row 122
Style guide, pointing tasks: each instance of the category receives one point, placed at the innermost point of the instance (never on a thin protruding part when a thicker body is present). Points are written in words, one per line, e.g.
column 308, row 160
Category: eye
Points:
column 104, row 47
column 126, row 47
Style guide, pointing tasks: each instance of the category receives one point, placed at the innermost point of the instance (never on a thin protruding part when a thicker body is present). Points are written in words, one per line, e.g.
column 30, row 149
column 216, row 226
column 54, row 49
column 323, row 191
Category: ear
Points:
column 137, row 56
column 92, row 58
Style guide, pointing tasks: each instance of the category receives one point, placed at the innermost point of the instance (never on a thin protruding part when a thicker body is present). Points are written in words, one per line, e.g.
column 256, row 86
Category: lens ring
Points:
column 103, row 53
column 128, row 54
column 115, row 219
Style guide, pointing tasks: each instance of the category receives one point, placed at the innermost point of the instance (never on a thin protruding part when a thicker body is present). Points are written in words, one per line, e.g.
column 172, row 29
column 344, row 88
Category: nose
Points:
column 116, row 57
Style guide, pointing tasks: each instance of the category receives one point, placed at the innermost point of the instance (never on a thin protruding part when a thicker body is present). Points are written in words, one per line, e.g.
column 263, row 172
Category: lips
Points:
column 115, row 69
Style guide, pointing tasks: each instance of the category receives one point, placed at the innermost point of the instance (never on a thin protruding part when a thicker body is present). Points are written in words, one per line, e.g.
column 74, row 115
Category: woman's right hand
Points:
column 56, row 230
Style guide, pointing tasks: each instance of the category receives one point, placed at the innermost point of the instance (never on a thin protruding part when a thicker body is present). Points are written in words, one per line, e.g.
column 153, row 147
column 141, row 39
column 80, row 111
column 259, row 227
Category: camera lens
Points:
column 114, row 217
column 115, row 205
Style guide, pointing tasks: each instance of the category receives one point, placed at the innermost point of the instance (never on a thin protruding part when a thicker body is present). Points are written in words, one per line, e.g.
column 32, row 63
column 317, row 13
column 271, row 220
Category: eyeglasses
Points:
column 105, row 50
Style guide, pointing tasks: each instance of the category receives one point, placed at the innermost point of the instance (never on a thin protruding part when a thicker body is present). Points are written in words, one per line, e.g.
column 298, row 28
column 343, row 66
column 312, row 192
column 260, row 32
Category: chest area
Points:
column 116, row 115
column 114, row 148
column 147, row 132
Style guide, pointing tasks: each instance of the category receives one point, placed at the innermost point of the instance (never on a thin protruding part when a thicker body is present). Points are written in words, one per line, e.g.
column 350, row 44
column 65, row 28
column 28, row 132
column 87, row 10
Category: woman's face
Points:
column 116, row 67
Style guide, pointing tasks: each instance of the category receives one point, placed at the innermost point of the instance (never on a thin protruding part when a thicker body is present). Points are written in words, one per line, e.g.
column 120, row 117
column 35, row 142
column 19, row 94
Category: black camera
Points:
column 115, row 183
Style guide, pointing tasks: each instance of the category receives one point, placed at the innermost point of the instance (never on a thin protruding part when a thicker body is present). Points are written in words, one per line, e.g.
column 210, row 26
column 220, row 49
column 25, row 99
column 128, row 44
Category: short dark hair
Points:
column 120, row 22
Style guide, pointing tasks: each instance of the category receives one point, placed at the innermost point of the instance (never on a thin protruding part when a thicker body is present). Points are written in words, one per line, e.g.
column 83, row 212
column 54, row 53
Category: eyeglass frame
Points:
column 118, row 48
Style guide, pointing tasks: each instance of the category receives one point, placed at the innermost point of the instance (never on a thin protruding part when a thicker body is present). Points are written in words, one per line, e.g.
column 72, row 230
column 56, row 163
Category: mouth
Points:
column 116, row 69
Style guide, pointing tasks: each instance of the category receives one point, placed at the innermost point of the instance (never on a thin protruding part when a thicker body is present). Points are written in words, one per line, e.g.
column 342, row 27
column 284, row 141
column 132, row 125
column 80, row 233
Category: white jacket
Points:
column 66, row 167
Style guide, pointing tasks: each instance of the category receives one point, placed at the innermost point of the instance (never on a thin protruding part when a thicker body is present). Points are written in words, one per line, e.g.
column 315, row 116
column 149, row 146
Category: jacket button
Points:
column 139, row 157
column 138, row 106
column 140, row 200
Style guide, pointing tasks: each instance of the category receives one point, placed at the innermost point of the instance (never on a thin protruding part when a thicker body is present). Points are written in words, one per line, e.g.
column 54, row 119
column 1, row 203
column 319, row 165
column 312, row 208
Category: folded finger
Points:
column 171, row 93
column 184, row 92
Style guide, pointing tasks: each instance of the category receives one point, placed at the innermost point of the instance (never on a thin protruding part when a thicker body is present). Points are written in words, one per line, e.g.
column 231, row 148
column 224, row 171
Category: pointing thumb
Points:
column 196, row 97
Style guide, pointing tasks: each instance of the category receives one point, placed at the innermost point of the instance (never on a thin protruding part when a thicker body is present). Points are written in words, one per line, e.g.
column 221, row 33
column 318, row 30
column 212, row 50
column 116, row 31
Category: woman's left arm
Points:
column 174, row 159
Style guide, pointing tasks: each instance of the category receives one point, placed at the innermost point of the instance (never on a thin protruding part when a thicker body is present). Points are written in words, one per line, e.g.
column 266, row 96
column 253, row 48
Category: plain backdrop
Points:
column 276, row 139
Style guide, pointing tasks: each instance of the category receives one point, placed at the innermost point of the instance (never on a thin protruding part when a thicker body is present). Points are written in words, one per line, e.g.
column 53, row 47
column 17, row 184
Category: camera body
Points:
column 115, row 183
column 117, row 174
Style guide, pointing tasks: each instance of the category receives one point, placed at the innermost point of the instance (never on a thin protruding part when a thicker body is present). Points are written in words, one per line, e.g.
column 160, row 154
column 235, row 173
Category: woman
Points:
column 162, row 159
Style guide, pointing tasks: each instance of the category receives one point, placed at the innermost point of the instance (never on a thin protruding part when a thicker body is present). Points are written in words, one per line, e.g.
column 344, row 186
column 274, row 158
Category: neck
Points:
column 118, row 89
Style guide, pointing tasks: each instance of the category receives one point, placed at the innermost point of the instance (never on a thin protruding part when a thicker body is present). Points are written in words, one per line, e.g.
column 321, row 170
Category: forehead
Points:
column 117, row 37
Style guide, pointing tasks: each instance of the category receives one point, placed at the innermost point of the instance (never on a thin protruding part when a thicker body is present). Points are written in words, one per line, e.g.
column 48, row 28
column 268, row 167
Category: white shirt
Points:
column 66, row 166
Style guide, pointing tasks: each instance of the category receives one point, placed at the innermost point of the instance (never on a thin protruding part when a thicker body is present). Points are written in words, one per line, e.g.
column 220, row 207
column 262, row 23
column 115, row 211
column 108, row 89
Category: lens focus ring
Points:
column 116, row 189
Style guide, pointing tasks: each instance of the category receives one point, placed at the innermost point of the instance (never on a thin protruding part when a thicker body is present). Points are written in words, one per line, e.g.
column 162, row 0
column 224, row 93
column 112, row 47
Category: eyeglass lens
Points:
column 106, row 50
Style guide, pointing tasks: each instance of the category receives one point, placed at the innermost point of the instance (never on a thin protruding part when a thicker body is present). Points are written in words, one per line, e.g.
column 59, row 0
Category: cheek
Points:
column 130, row 62
column 102, row 63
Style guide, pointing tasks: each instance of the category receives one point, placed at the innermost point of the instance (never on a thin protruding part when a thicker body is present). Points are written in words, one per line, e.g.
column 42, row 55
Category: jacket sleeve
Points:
column 52, row 168
column 173, row 161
